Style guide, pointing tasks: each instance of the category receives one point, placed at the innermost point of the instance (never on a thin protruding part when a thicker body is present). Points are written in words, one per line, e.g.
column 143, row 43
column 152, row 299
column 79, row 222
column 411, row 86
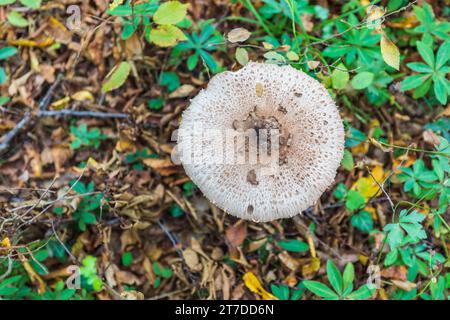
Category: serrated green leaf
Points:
column 362, row 221
column 354, row 200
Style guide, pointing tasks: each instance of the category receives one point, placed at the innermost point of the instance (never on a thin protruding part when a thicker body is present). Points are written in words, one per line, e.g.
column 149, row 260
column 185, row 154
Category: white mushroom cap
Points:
column 303, row 112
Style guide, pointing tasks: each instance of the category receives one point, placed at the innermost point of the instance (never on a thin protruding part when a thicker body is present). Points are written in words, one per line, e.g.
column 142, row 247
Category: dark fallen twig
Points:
column 11, row 134
column 75, row 113
column 45, row 101
column 43, row 104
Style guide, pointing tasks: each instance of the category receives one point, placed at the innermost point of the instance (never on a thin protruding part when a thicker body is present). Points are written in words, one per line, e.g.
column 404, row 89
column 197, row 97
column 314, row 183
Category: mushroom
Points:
column 224, row 132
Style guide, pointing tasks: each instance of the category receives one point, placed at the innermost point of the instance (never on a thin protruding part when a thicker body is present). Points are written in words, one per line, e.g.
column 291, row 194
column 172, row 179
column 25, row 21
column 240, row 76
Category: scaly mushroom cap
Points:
column 263, row 96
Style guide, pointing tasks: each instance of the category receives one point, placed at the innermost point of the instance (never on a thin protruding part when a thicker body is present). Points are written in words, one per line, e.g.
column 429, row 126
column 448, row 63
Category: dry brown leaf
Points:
column 288, row 261
column 182, row 91
column 238, row 35
column 404, row 285
column 192, row 260
column 237, row 233
column 164, row 167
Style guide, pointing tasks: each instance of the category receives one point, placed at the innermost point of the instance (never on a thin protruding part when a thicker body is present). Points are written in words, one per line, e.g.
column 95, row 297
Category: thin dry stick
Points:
column 75, row 113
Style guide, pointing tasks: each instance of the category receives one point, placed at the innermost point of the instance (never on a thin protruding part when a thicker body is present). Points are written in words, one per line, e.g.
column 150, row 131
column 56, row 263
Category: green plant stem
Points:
column 248, row 4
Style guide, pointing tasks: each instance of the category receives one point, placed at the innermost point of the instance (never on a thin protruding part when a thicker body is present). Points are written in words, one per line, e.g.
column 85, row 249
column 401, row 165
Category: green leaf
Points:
column 127, row 259
column 170, row 12
column 117, row 78
column 320, row 289
column 88, row 218
column 349, row 275
column 354, row 200
column 3, row 76
column 443, row 54
column 362, row 221
column 7, row 52
column 6, row 2
column 412, row 82
column 274, row 57
column 426, row 52
column 166, row 35
column 156, row 103
column 293, row 245
column 170, row 80
column 362, row 80
column 334, row 276
column 419, row 67
column 364, row 292
column 339, row 77
column 441, row 89
column 347, row 161
column 281, row 291
column 16, row 19
column 4, row 100
column 422, row 89
column 395, row 235
column 33, row 4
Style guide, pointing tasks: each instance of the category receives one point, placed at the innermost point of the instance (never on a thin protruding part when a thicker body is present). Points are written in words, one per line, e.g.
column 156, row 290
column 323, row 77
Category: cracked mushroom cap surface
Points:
column 262, row 97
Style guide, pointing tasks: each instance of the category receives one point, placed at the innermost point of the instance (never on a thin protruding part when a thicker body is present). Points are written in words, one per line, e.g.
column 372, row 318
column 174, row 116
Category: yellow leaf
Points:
column 124, row 145
column 83, row 95
column 253, row 284
column 390, row 52
column 375, row 17
column 115, row 4
column 361, row 148
column 311, row 267
column 5, row 243
column 31, row 43
column 60, row 104
column 166, row 35
column 92, row 163
column 367, row 186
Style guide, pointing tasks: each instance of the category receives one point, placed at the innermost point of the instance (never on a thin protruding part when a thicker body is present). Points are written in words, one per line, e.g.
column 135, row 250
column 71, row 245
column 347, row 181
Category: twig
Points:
column 11, row 134
column 45, row 101
column 62, row 243
column 43, row 104
column 75, row 113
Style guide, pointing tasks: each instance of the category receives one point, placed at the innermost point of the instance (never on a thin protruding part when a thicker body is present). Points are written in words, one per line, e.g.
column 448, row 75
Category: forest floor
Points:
column 91, row 91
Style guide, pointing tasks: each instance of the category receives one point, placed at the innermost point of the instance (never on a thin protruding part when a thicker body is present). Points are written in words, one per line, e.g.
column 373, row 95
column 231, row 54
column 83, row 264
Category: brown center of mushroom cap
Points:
column 264, row 126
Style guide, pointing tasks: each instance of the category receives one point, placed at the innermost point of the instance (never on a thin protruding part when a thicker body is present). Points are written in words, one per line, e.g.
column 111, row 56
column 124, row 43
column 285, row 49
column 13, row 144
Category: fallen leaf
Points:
column 238, row 35
column 237, row 233
column 390, row 52
column 253, row 284
column 404, row 285
column 83, row 95
column 192, row 260
column 182, row 92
